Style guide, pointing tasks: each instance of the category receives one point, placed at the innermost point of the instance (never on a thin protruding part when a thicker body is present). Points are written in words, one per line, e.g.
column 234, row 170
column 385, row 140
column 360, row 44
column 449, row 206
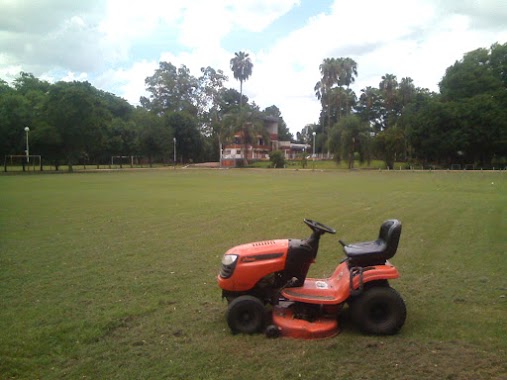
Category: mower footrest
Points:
column 327, row 291
column 307, row 297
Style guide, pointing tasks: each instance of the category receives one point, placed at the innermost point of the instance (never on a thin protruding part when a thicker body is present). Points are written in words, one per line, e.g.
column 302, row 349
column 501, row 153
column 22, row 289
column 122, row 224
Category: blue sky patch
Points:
column 295, row 19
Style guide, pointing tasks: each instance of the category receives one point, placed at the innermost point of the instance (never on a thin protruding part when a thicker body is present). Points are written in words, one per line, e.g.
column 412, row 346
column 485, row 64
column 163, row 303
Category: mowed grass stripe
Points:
column 112, row 275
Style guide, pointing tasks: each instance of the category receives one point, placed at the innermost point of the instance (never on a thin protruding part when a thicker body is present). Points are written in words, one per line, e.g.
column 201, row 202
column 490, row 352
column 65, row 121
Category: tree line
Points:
column 73, row 122
column 466, row 123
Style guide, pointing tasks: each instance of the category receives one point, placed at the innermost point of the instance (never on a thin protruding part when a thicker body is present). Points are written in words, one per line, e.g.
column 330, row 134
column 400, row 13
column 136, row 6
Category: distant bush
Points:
column 277, row 159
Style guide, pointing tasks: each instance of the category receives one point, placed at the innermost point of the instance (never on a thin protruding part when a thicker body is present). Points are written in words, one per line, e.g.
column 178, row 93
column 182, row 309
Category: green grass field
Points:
column 112, row 275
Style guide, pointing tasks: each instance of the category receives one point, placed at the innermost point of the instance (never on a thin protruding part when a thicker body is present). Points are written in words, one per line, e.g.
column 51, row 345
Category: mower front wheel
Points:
column 246, row 314
column 379, row 311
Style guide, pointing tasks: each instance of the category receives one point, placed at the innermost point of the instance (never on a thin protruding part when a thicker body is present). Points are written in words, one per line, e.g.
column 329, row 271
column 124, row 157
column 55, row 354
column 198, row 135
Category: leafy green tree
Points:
column 498, row 61
column 189, row 142
column 370, row 107
column 120, row 139
column 476, row 84
column 27, row 82
column 241, row 66
column 230, row 100
column 117, row 107
column 20, row 107
column 483, row 121
column 171, row 90
column 390, row 143
column 4, row 87
column 349, row 136
column 211, row 113
column 15, row 115
column 72, row 108
column 471, row 76
column 155, row 139
column 209, row 94
column 47, row 141
column 434, row 130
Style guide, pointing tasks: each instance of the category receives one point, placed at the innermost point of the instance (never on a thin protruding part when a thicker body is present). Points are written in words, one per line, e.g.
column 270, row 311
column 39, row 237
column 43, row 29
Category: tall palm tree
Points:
column 370, row 106
column 406, row 93
column 388, row 87
column 330, row 72
column 241, row 66
column 407, row 90
column 335, row 72
column 341, row 102
column 347, row 71
column 329, row 77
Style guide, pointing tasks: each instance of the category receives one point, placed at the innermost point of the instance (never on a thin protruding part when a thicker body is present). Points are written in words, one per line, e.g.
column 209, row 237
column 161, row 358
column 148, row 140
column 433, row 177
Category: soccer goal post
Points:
column 22, row 162
column 120, row 160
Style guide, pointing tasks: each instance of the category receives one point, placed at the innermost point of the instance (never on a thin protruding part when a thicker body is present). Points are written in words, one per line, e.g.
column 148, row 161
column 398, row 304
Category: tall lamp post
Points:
column 174, row 151
column 27, row 150
column 314, row 133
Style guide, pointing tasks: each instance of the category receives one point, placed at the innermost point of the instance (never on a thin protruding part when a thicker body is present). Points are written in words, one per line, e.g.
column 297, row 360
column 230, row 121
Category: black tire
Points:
column 379, row 311
column 246, row 314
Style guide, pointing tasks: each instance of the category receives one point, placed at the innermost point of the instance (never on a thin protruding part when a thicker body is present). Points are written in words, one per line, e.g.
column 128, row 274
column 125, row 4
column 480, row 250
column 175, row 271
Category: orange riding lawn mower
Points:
column 267, row 291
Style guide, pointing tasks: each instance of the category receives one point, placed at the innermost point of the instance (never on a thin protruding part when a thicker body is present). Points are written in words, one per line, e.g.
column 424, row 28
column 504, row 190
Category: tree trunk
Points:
column 240, row 93
column 351, row 153
column 245, row 152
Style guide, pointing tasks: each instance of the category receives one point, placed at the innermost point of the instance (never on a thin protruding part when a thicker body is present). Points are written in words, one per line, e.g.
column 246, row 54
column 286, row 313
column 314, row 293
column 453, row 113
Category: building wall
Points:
column 261, row 152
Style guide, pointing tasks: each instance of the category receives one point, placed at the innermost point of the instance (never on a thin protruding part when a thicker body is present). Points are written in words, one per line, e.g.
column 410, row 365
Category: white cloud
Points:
column 129, row 81
column 403, row 37
column 99, row 41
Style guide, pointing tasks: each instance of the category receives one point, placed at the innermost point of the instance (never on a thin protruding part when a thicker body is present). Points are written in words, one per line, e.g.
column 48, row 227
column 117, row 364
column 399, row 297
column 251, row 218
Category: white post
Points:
column 314, row 133
column 27, row 148
column 221, row 154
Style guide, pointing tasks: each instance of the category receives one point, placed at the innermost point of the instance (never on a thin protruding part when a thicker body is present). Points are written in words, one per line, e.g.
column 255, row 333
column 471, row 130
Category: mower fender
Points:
column 373, row 273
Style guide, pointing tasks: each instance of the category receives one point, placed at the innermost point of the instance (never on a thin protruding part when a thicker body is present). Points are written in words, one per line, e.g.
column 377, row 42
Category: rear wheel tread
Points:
column 379, row 311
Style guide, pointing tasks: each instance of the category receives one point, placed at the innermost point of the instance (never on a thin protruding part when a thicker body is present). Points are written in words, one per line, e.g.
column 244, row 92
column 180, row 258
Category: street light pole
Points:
column 174, row 149
column 314, row 133
column 27, row 149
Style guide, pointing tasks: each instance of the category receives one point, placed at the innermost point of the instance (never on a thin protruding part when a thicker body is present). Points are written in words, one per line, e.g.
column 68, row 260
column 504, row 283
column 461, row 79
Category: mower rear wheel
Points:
column 379, row 311
column 246, row 314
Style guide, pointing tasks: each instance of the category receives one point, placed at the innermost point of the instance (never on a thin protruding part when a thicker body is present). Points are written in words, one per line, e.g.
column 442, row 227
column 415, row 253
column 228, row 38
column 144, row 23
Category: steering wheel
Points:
column 319, row 227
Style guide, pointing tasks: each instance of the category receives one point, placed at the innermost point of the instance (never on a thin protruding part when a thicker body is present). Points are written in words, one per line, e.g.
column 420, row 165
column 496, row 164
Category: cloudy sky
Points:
column 116, row 44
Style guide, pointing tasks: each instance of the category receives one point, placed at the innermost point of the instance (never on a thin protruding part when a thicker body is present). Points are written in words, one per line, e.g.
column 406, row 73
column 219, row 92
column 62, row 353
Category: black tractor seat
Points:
column 378, row 251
